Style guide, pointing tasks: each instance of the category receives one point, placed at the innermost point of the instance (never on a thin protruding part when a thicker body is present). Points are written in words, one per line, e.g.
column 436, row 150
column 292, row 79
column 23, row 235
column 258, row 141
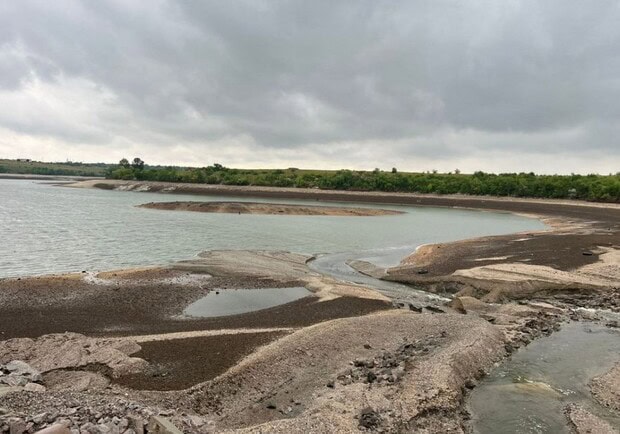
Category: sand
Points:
column 267, row 208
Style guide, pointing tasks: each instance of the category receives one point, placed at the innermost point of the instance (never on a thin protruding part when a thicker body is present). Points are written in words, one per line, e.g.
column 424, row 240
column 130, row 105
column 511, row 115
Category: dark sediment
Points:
column 180, row 363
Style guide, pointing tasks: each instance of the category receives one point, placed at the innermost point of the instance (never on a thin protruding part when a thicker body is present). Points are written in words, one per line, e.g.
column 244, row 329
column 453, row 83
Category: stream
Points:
column 528, row 392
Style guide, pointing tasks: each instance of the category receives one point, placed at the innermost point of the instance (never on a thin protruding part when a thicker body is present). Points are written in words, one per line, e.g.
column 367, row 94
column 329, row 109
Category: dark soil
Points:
column 181, row 363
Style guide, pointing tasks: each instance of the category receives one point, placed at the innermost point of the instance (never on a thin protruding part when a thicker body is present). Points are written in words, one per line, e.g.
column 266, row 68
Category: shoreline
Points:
column 320, row 364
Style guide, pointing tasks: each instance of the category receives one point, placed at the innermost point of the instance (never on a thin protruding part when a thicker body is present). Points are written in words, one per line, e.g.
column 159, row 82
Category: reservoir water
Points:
column 52, row 229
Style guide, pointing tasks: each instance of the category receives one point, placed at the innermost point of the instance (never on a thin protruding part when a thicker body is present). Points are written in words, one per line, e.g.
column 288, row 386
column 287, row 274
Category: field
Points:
column 62, row 169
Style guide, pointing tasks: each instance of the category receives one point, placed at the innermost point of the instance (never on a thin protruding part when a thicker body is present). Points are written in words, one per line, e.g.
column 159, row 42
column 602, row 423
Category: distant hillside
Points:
column 28, row 167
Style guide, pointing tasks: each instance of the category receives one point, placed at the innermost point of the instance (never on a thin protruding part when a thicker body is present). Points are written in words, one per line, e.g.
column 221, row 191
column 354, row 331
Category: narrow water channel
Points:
column 528, row 392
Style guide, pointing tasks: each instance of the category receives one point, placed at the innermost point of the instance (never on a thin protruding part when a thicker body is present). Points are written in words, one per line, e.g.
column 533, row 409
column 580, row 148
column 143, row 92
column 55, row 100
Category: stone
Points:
column 17, row 426
column 34, row 387
column 9, row 389
column 21, row 368
column 158, row 424
column 57, row 428
column 136, row 424
column 369, row 418
column 14, row 380
column 39, row 418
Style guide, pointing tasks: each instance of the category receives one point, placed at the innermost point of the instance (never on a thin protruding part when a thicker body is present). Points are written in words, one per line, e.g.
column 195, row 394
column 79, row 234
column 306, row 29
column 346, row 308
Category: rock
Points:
column 71, row 350
column 34, row 387
column 58, row 428
column 434, row 309
column 77, row 381
column 582, row 421
column 162, row 425
column 17, row 426
column 39, row 418
column 457, row 305
column 369, row 418
column 136, row 423
column 14, row 380
column 415, row 308
column 4, row 390
column 18, row 367
column 371, row 377
column 613, row 324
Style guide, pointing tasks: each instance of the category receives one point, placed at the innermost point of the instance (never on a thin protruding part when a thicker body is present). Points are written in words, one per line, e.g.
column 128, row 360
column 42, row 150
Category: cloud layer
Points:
column 515, row 85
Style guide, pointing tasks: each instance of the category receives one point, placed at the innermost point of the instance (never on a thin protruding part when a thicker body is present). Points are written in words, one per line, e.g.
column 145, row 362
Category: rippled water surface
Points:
column 51, row 229
column 528, row 392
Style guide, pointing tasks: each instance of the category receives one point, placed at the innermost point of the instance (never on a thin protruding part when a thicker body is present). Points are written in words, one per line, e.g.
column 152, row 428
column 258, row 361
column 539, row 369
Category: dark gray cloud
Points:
column 511, row 85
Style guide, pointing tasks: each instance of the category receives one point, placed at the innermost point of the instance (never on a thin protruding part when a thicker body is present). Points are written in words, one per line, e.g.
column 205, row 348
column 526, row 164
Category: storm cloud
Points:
column 514, row 85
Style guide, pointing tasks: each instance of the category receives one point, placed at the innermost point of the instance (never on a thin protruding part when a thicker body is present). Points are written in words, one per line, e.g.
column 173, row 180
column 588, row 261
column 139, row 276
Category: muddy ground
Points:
column 267, row 208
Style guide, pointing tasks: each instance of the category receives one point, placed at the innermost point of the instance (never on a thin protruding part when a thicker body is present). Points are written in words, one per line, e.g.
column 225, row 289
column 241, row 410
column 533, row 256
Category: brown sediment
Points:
column 268, row 208
column 181, row 363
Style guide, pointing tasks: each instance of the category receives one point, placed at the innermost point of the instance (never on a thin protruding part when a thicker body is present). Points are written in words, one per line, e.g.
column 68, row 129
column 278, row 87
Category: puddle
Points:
column 528, row 392
column 226, row 302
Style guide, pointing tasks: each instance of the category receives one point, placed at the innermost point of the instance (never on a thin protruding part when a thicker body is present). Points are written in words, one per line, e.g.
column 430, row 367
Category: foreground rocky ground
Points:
column 379, row 368
column 111, row 352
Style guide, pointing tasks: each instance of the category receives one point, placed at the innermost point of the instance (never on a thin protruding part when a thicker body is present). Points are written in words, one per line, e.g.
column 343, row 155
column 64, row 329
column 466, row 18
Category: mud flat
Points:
column 113, row 347
column 267, row 208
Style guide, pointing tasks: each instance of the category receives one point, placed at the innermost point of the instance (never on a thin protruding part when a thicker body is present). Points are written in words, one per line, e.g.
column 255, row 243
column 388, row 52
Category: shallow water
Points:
column 528, row 392
column 225, row 302
column 50, row 229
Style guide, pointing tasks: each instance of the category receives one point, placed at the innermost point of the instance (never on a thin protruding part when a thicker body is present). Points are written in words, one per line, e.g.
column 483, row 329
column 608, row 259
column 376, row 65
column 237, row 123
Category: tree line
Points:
column 600, row 188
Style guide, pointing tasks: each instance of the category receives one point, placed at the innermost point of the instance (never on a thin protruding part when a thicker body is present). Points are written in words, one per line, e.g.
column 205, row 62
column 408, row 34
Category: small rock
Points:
column 371, row 377
column 17, row 426
column 34, row 387
column 415, row 308
column 331, row 384
column 58, row 428
column 369, row 418
column 39, row 418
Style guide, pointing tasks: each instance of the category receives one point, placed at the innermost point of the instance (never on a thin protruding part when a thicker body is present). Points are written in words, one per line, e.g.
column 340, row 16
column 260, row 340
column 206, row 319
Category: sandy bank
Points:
column 606, row 388
column 267, row 208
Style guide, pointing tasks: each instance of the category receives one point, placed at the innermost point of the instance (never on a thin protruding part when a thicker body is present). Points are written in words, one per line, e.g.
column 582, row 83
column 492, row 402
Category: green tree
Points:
column 137, row 164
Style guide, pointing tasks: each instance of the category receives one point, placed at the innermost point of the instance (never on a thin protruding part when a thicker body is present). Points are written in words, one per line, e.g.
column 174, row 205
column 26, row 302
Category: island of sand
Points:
column 268, row 208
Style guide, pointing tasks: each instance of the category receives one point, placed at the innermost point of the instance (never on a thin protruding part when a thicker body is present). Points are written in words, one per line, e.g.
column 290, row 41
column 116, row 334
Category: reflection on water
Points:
column 528, row 392
column 48, row 229
column 225, row 302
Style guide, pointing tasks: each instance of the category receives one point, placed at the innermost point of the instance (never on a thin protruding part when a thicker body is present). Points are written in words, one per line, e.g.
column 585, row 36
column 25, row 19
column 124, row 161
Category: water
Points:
column 235, row 301
column 50, row 229
column 528, row 392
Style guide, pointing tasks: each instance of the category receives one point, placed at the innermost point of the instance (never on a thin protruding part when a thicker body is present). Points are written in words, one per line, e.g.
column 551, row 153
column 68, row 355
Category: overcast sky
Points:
column 488, row 85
